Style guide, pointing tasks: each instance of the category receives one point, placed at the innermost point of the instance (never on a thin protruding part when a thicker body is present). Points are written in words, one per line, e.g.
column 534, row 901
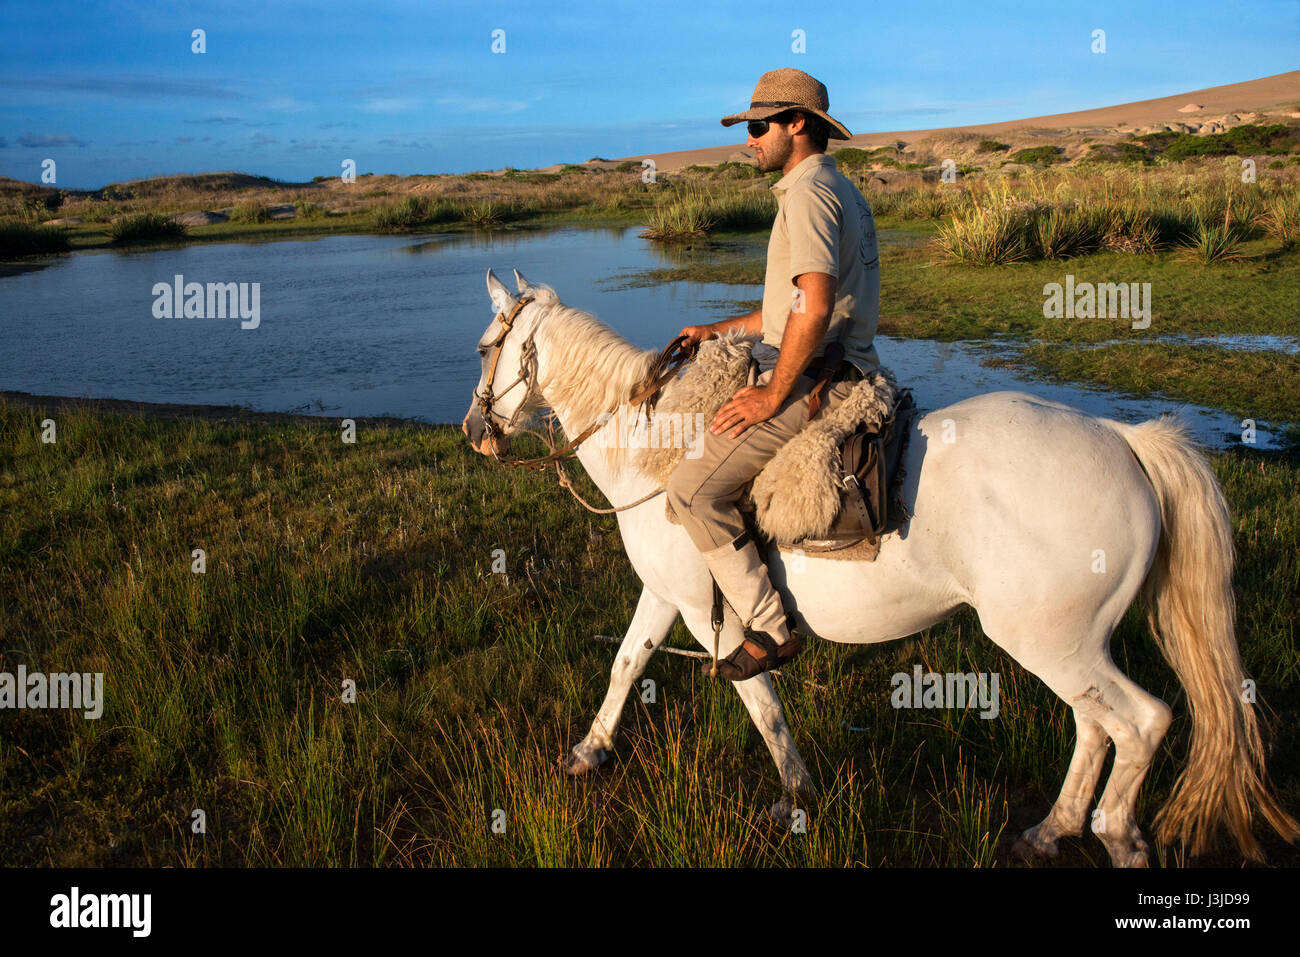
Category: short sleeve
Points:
column 812, row 218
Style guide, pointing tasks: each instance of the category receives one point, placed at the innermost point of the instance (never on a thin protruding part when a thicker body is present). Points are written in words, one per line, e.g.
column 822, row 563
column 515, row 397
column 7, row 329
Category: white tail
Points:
column 1191, row 611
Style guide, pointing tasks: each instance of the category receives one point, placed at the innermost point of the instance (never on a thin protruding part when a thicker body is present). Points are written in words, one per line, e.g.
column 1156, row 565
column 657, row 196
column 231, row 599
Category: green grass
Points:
column 372, row 562
column 1257, row 385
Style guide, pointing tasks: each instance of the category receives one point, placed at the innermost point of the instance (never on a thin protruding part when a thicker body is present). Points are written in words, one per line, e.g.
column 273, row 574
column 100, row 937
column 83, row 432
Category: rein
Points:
column 664, row 368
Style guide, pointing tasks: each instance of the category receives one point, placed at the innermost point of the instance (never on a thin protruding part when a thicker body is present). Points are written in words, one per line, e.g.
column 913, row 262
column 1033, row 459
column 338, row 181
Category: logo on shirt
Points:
column 868, row 254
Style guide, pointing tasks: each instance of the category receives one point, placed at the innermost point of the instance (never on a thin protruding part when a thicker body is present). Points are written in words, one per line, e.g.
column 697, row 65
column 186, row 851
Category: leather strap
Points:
column 831, row 362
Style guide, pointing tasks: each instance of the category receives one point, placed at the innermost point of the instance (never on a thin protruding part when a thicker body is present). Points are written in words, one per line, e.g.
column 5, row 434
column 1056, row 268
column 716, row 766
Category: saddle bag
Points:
column 870, row 465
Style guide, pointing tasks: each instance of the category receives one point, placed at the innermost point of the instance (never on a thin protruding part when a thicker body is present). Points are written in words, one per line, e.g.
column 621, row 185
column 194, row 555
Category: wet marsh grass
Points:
column 373, row 562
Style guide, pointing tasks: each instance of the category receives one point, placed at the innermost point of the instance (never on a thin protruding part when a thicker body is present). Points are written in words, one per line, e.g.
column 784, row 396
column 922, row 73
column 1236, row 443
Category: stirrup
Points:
column 741, row 664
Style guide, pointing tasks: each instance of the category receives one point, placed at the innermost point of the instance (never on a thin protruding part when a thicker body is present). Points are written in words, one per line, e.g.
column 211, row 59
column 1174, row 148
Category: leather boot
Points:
column 742, row 577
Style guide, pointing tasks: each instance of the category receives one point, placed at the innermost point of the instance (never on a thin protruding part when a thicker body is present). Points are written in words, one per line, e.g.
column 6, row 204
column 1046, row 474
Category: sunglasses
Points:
column 759, row 128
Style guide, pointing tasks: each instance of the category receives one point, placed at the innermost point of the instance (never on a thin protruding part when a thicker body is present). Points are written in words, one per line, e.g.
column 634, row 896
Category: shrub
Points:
column 991, row 146
column 139, row 226
column 249, row 212
column 28, row 239
column 1038, row 154
column 732, row 170
column 1118, row 153
column 851, row 157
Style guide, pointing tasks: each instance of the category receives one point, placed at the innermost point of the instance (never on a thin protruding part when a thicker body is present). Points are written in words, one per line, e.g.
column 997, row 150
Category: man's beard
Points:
column 774, row 158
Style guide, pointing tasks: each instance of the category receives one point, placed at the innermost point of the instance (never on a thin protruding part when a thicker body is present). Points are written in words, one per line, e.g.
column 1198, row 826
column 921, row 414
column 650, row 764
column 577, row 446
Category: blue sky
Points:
column 112, row 91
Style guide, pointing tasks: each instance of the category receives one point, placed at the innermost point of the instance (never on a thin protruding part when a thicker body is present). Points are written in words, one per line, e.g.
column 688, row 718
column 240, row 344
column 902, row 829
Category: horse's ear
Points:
column 501, row 297
column 521, row 283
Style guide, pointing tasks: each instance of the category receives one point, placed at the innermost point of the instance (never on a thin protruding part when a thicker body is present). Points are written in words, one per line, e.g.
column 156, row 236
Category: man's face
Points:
column 773, row 148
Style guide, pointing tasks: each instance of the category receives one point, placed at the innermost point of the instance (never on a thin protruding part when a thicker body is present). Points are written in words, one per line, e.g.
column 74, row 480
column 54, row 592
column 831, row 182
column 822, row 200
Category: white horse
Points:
column 1046, row 520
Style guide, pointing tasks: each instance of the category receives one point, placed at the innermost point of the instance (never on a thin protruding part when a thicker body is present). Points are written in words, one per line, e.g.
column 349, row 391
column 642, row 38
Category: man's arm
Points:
column 804, row 330
column 751, row 324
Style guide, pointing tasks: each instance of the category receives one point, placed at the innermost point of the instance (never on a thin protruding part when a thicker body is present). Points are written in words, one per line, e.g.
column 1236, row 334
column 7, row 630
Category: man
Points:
column 822, row 287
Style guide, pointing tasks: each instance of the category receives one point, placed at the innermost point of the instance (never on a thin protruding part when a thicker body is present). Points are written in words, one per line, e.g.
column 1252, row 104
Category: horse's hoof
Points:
column 1028, row 851
column 575, row 765
column 780, row 812
column 1135, row 855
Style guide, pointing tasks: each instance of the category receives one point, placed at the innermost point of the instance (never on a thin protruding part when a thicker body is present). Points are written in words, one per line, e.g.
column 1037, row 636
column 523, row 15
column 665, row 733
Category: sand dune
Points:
column 1272, row 97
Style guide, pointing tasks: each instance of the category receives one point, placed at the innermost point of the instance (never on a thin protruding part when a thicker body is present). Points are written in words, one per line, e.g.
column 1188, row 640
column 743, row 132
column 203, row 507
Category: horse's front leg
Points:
column 653, row 620
column 765, row 710
column 764, row 707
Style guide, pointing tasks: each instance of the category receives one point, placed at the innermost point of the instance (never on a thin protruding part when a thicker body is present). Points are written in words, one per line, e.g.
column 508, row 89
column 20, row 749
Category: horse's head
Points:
column 506, row 393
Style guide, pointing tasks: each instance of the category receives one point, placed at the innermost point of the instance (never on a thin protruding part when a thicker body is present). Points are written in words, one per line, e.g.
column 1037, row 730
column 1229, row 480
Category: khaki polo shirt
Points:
column 823, row 224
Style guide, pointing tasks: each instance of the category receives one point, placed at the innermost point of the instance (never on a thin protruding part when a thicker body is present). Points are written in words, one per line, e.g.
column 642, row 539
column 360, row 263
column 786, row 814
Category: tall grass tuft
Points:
column 685, row 214
column 1213, row 241
column 138, row 226
column 990, row 233
column 1064, row 230
column 485, row 213
column 28, row 239
column 250, row 212
column 1281, row 218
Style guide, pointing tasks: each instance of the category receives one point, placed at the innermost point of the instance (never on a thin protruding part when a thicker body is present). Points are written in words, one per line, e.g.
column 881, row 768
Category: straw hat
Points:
column 789, row 89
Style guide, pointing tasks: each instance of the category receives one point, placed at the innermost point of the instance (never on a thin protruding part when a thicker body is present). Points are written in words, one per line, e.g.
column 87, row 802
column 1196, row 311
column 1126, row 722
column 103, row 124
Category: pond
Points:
column 354, row 326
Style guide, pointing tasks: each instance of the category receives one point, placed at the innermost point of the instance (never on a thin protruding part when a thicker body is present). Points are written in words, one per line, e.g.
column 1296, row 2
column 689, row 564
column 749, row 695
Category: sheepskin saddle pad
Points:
column 798, row 496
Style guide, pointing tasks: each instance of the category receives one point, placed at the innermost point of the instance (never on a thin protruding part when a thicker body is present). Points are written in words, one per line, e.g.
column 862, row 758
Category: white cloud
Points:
column 389, row 105
column 482, row 104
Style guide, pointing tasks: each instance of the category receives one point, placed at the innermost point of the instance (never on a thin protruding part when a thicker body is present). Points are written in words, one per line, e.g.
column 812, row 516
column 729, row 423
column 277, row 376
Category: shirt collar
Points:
column 802, row 169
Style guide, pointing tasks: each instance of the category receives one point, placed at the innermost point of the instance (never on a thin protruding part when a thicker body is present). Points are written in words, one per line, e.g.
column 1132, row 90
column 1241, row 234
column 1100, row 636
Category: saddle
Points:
column 835, row 488
column 871, row 484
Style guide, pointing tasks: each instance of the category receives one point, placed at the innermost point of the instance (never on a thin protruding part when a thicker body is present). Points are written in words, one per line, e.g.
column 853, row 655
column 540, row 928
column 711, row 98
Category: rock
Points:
column 1190, row 108
column 201, row 217
column 285, row 211
column 66, row 221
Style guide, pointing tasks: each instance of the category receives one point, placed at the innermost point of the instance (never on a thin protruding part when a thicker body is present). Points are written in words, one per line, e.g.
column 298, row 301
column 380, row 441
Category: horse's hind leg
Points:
column 1070, row 811
column 1104, row 698
column 653, row 620
column 1136, row 722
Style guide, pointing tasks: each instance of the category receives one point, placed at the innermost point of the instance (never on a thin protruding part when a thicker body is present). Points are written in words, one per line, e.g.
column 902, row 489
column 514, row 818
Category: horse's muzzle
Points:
column 476, row 431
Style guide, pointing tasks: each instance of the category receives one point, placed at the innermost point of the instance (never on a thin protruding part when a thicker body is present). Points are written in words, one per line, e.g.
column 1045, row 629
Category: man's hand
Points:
column 697, row 334
column 751, row 405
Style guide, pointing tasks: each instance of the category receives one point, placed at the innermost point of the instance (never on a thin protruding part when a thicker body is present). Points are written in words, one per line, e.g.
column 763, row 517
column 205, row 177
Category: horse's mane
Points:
column 590, row 368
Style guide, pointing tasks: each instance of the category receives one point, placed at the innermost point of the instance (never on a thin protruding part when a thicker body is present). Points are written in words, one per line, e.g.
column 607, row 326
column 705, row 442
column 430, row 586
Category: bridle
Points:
column 664, row 368
column 527, row 375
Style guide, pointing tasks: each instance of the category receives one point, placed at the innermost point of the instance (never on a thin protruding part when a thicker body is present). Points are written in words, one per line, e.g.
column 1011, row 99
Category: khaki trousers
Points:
column 703, row 491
